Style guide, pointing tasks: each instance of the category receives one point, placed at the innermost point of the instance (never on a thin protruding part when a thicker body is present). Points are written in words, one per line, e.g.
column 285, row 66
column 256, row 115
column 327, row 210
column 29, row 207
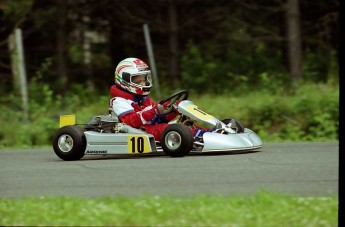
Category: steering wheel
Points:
column 178, row 96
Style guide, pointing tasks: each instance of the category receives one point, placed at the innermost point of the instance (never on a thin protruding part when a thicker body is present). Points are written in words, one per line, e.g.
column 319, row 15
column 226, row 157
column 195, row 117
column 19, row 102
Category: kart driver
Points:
column 133, row 105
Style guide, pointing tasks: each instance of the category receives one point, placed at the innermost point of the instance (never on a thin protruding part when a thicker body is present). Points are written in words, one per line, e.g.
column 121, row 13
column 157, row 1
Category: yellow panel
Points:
column 199, row 113
column 67, row 120
column 138, row 144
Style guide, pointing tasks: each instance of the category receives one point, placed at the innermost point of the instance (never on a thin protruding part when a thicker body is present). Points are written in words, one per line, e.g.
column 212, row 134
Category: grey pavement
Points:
column 305, row 169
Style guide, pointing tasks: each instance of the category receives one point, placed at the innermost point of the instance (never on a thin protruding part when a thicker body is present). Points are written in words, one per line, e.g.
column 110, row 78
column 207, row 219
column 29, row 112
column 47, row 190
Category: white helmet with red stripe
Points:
column 125, row 74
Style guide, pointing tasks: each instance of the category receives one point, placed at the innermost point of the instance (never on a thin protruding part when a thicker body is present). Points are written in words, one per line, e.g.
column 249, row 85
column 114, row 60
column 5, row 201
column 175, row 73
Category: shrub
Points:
column 309, row 114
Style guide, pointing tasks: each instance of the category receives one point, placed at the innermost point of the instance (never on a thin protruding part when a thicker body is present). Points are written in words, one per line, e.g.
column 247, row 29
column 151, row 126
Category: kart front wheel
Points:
column 69, row 143
column 176, row 140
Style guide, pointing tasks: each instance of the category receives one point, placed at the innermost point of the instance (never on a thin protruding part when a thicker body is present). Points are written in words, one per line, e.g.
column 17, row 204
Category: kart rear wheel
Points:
column 69, row 143
column 176, row 140
column 239, row 125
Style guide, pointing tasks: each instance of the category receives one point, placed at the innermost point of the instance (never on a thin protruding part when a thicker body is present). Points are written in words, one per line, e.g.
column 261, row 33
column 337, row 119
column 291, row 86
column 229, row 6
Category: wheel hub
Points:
column 65, row 143
column 173, row 140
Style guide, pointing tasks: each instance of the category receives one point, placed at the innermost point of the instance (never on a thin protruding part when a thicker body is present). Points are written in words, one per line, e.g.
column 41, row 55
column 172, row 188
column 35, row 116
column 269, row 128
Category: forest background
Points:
column 273, row 64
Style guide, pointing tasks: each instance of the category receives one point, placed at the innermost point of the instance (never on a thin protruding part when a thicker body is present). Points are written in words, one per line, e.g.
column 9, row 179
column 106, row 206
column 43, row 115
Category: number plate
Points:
column 138, row 145
column 199, row 113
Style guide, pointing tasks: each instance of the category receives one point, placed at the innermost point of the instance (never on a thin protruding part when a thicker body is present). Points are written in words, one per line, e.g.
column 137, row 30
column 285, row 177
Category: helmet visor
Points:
column 141, row 80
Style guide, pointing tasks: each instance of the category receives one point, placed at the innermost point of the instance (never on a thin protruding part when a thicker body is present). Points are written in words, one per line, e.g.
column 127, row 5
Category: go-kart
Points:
column 106, row 134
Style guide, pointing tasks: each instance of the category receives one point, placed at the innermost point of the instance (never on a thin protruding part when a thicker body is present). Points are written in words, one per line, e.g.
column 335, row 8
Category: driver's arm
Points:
column 149, row 115
column 126, row 113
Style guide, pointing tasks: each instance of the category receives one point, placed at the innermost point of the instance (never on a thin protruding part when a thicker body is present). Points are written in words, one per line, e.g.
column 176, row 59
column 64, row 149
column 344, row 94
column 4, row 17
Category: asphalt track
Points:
column 305, row 169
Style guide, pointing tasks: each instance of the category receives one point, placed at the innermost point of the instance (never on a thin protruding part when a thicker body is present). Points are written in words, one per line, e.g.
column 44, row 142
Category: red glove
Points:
column 163, row 109
column 176, row 103
column 157, row 109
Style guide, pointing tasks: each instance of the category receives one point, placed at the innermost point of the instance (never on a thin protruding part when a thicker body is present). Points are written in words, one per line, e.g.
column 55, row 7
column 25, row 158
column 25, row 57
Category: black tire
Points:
column 239, row 125
column 69, row 143
column 176, row 140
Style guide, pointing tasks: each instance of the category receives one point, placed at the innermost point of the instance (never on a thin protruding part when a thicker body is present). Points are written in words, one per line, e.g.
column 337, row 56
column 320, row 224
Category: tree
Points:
column 13, row 14
column 173, row 43
column 294, row 42
column 61, row 47
column 240, row 41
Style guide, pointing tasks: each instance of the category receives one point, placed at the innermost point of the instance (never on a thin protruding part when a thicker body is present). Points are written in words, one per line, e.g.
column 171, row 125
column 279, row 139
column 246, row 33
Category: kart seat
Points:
column 113, row 115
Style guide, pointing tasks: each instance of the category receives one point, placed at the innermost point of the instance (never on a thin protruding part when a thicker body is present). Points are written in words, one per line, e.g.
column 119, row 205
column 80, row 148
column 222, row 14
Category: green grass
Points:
column 262, row 209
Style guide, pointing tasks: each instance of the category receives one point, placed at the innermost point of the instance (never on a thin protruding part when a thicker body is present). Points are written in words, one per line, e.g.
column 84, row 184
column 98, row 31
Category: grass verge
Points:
column 262, row 209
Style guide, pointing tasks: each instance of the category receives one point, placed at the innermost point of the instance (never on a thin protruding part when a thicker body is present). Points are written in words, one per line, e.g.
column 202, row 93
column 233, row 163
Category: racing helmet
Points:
column 125, row 74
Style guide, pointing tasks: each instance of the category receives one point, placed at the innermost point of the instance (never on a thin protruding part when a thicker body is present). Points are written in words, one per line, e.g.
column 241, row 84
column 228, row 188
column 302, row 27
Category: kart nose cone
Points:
column 255, row 139
column 227, row 142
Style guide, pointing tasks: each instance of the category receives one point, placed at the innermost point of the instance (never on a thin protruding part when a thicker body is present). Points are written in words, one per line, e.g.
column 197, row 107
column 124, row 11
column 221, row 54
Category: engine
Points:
column 102, row 123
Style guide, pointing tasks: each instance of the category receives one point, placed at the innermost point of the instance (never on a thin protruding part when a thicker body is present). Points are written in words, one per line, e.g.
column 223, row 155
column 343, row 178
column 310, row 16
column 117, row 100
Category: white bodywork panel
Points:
column 119, row 143
column 248, row 140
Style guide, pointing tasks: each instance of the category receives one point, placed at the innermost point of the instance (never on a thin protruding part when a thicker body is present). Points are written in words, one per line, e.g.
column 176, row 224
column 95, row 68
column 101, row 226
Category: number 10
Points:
column 137, row 144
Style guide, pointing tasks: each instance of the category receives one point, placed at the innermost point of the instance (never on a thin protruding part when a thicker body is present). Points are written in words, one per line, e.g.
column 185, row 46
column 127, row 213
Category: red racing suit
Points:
column 139, row 112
